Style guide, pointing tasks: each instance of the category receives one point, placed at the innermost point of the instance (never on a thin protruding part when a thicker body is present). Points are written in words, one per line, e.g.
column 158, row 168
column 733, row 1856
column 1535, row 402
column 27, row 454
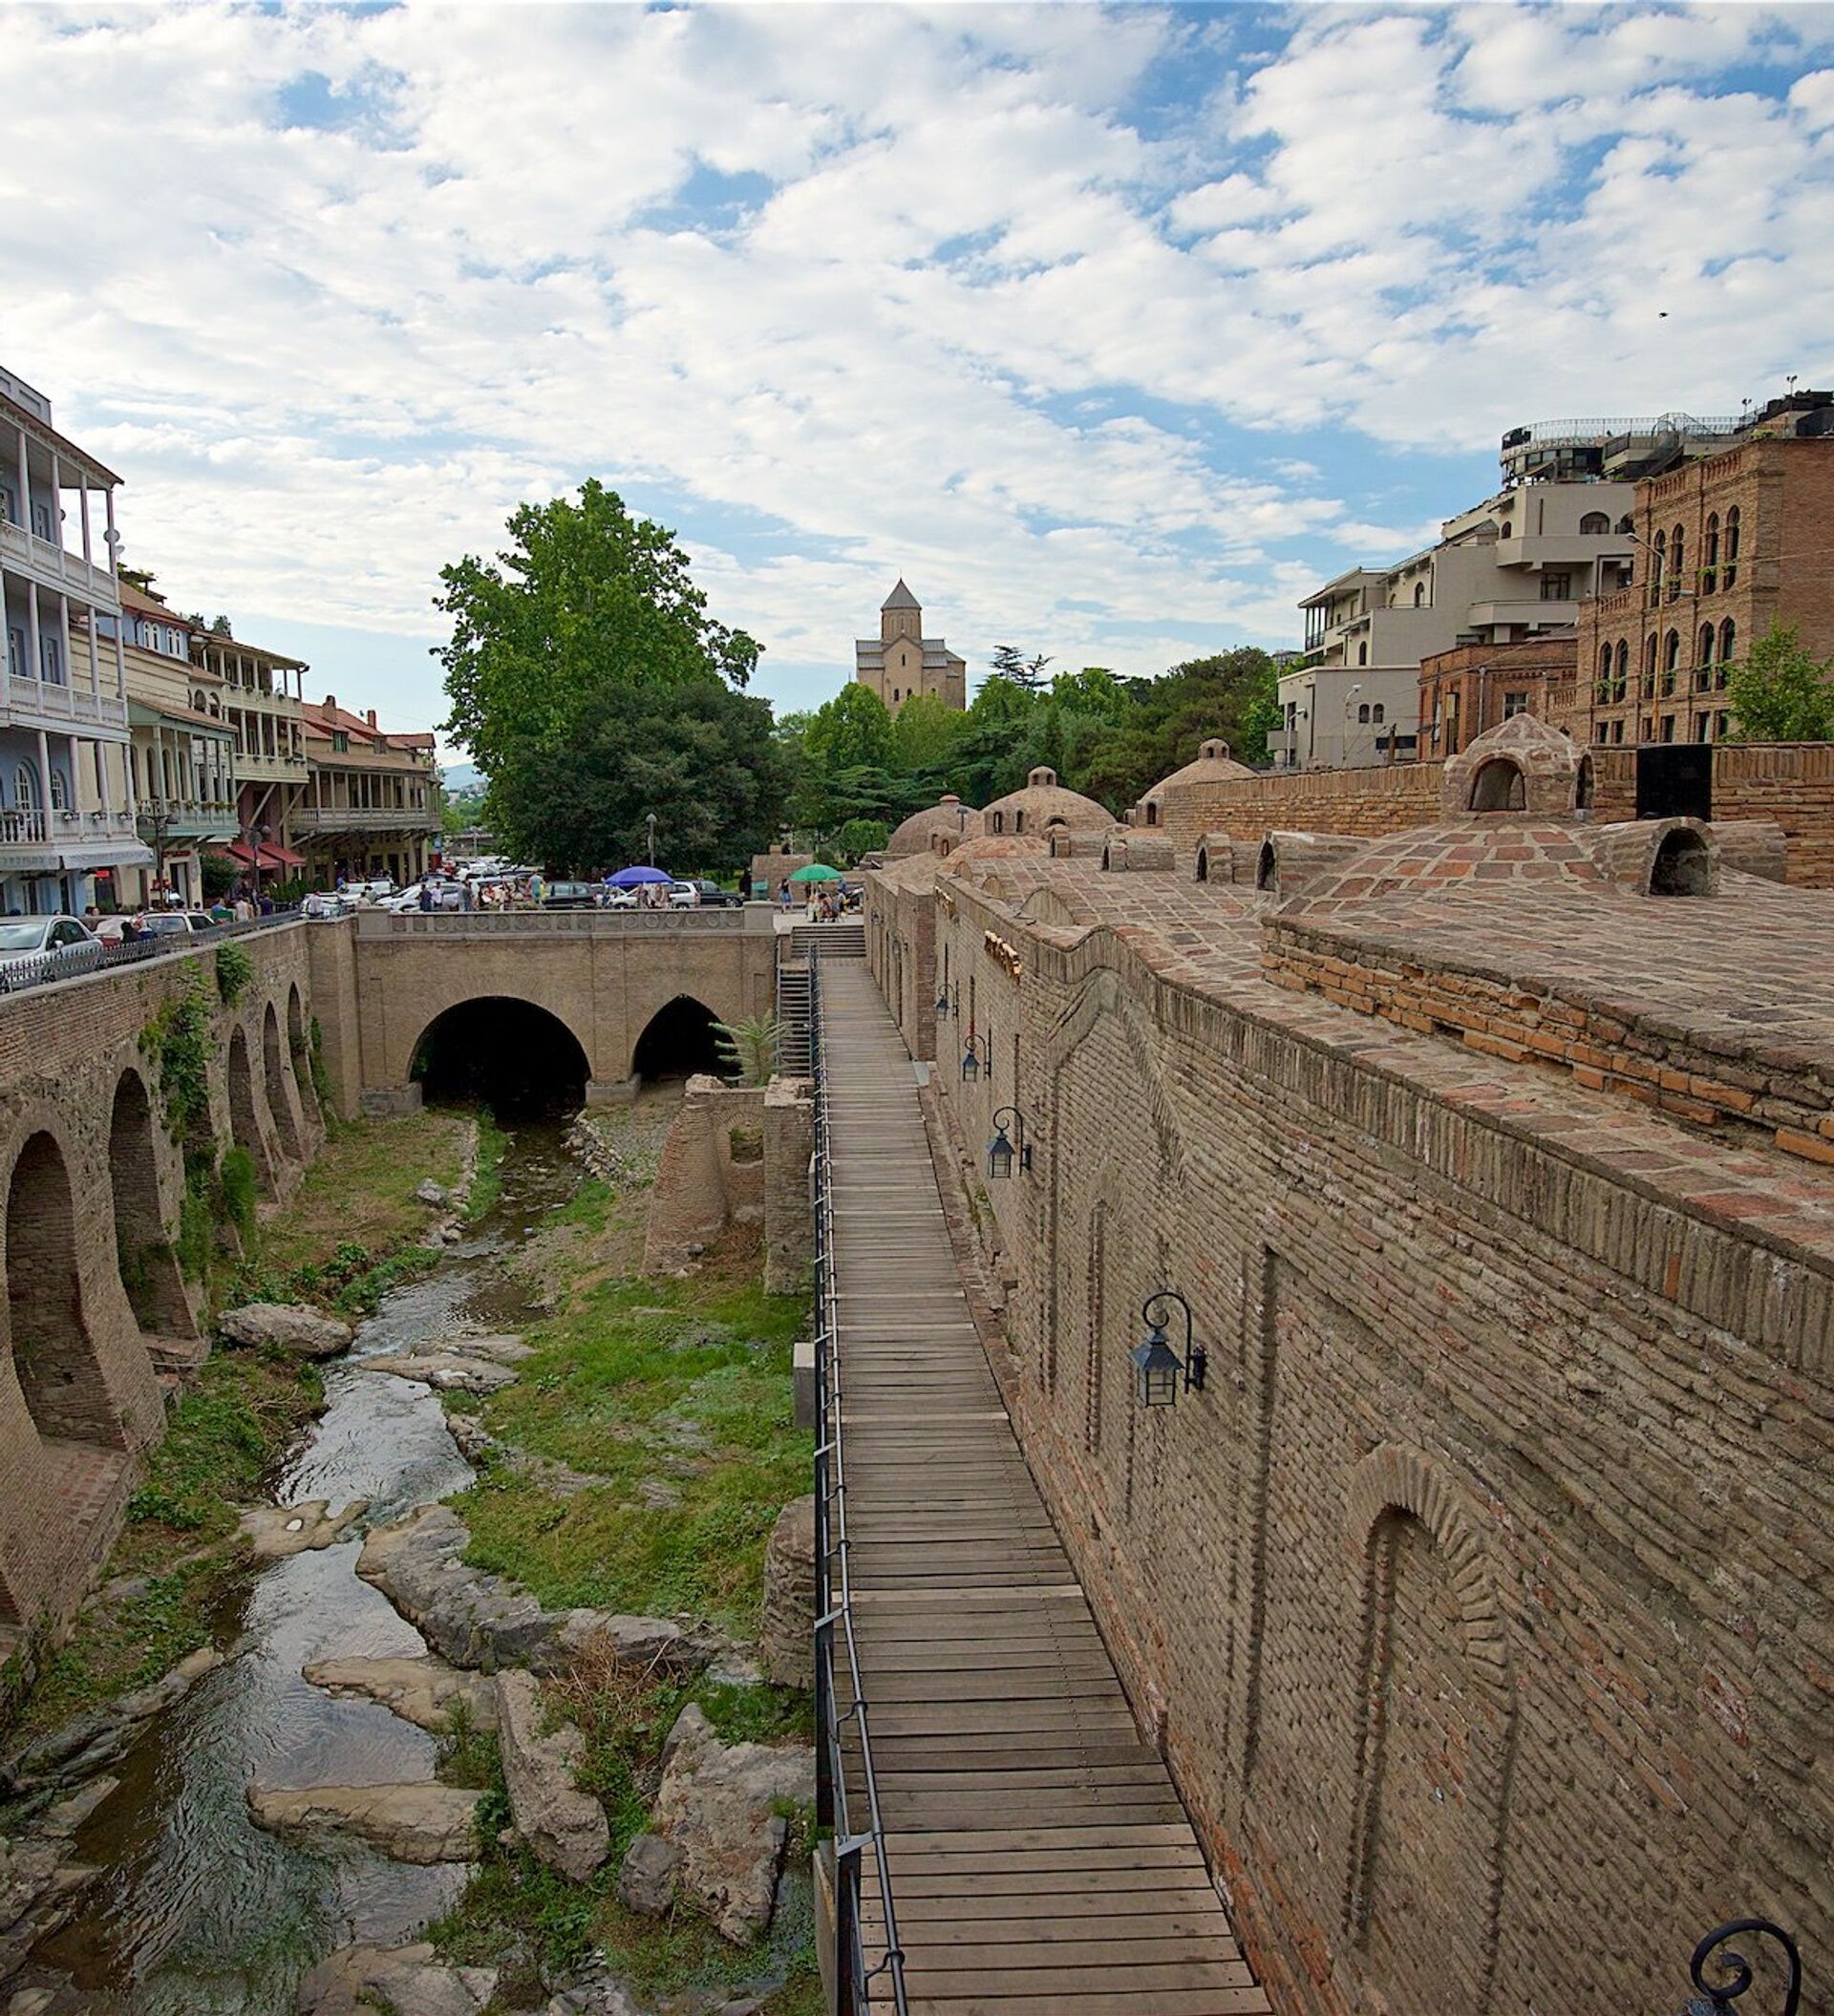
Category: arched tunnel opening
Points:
column 682, row 1037
column 516, row 1059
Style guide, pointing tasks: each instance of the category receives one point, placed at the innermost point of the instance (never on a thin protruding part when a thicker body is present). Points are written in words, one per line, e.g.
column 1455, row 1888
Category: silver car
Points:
column 34, row 948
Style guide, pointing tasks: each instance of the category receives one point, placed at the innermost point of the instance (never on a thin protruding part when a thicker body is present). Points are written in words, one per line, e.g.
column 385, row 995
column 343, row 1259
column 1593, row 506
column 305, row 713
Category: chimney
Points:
column 371, row 717
column 331, row 702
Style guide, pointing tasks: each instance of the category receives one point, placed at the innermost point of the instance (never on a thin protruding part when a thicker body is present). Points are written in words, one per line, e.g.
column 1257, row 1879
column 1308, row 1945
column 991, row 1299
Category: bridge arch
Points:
column 245, row 1120
column 282, row 1099
column 51, row 1349
column 505, row 1049
column 150, row 1272
column 681, row 1038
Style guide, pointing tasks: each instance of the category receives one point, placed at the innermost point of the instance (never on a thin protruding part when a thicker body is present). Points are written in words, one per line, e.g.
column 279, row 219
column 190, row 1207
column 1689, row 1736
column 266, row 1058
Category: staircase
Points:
column 846, row 940
column 795, row 1058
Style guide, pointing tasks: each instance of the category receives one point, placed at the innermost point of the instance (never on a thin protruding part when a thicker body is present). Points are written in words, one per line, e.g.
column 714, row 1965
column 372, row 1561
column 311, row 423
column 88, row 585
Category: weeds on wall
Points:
column 236, row 1186
column 748, row 1048
column 177, row 1044
column 235, row 973
column 321, row 1077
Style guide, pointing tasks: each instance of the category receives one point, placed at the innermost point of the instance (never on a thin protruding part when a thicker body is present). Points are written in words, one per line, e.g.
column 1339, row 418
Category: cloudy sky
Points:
column 1113, row 331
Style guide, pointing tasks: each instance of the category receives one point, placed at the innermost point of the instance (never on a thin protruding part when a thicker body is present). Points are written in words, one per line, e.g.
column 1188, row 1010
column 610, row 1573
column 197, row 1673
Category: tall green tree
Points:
column 583, row 597
column 1783, row 692
column 697, row 753
column 926, row 734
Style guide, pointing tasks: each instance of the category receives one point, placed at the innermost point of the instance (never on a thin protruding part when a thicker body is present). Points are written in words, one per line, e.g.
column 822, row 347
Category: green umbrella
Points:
column 817, row 872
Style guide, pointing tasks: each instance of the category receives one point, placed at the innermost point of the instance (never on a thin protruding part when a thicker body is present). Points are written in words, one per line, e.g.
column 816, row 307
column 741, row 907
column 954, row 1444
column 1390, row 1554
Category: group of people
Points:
column 827, row 901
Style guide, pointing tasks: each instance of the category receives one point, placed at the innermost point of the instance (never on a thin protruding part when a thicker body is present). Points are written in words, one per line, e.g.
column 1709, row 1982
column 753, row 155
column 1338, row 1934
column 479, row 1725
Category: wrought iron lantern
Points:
column 978, row 1057
column 1159, row 1371
column 1738, row 1970
column 1001, row 1152
column 941, row 1003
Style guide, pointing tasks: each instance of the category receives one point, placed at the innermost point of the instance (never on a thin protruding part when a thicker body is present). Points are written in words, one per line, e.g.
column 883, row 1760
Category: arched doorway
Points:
column 299, row 1046
column 245, row 1127
column 1499, row 787
column 681, row 1038
column 280, row 1096
column 516, row 1058
column 149, row 1266
column 1683, row 866
column 53, row 1357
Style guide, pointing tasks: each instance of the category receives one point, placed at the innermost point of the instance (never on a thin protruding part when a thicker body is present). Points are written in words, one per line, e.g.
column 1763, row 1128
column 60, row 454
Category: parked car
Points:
column 375, row 891
column 618, row 899
column 570, row 896
column 328, row 902
column 174, row 923
column 713, row 896
column 683, row 896
column 446, row 896
column 63, row 941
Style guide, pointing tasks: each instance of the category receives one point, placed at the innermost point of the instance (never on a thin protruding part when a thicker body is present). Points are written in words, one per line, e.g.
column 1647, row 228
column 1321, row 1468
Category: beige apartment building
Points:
column 901, row 662
column 182, row 755
column 371, row 807
column 1514, row 567
column 262, row 697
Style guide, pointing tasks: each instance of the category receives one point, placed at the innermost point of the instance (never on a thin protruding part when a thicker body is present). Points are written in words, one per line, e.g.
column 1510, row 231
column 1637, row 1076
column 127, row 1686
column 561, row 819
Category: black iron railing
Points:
column 863, row 1980
column 80, row 962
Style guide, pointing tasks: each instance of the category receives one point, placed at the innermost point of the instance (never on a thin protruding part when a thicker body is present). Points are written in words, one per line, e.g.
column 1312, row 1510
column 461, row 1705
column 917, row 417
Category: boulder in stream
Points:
column 421, row 1822
column 425, row 1691
column 88, row 1743
column 559, row 1824
column 475, row 1618
column 445, row 1371
column 407, row 1980
column 276, row 1532
column 286, row 1326
column 38, row 1890
column 718, row 1805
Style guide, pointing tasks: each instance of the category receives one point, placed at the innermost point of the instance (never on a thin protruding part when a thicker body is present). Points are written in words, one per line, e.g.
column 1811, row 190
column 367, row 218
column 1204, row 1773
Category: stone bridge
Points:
column 94, row 1216
column 384, row 983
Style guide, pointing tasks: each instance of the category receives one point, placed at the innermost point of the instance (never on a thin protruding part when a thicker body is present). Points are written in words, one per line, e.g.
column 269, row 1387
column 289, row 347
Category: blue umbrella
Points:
column 630, row 878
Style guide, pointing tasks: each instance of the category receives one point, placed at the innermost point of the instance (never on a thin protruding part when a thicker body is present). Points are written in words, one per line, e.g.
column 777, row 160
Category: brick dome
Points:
column 1212, row 765
column 1042, row 804
column 1520, row 766
column 947, row 820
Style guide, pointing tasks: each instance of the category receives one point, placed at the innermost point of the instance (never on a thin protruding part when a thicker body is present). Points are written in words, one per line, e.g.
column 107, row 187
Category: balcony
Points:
column 57, row 709
column 365, row 818
column 186, row 821
column 268, row 770
column 38, row 842
column 1563, row 549
column 1484, row 615
column 52, row 567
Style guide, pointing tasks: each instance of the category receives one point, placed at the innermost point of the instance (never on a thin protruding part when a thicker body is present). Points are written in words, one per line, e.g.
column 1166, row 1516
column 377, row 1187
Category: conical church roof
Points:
column 901, row 598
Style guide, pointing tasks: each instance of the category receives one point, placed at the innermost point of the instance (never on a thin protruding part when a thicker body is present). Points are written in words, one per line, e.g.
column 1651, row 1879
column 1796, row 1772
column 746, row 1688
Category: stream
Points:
column 197, row 1912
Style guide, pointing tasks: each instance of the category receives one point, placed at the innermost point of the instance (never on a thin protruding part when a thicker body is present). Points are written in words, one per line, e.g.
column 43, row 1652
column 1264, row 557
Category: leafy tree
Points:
column 859, row 837
column 585, row 599
column 697, row 753
column 748, row 1048
column 1783, row 692
column 1010, row 663
column 851, row 731
column 926, row 734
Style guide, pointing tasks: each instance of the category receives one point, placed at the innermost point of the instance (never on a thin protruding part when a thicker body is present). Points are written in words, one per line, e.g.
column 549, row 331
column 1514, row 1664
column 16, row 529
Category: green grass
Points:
column 685, row 1384
column 487, row 1180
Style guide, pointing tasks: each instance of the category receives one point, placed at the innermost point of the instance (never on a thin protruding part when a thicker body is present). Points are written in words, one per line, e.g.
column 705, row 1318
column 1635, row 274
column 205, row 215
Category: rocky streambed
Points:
column 266, row 1831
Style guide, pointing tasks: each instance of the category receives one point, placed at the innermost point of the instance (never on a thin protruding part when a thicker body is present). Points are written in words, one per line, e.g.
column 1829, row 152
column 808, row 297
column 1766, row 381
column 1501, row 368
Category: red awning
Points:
column 271, row 856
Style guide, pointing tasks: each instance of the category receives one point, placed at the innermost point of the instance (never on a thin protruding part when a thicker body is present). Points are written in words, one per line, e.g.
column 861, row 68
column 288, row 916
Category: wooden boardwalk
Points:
column 1040, row 1862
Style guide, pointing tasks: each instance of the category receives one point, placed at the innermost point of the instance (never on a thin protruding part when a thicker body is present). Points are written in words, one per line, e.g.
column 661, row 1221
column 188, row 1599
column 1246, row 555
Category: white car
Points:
column 63, row 941
column 371, row 892
column 446, row 896
column 619, row 898
column 683, row 896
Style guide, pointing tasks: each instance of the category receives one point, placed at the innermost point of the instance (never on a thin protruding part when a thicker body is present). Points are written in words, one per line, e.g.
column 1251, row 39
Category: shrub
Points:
column 235, row 971
column 236, row 1185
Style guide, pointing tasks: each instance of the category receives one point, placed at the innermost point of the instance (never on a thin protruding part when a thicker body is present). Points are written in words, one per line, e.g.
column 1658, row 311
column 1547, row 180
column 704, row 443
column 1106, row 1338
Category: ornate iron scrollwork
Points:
column 1737, row 1969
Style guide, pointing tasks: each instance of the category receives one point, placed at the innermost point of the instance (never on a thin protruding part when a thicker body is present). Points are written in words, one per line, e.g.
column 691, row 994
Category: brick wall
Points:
column 789, row 1212
column 1479, row 1596
column 90, row 1179
column 1789, row 783
column 710, row 1174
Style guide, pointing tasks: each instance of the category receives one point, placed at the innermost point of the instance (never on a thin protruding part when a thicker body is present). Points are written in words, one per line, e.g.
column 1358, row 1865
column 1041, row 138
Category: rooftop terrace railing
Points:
column 851, row 1812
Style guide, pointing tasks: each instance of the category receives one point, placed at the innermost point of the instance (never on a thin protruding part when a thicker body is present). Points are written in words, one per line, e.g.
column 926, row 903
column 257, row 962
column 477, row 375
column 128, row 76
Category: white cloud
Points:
column 982, row 306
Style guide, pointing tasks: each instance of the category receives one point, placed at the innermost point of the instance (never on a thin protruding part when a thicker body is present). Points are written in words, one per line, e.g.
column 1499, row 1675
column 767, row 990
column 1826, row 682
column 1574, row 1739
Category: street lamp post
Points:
column 650, row 830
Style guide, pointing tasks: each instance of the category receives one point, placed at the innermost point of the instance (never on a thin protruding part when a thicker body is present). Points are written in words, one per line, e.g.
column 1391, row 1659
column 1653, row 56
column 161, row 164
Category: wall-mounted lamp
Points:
column 1158, row 1370
column 1000, row 1149
column 941, row 1003
column 1737, row 1969
column 977, row 1057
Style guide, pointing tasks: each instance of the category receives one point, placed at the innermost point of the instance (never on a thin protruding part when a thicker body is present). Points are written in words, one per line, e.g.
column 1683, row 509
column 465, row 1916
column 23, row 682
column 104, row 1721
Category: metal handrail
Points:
column 854, row 1831
column 18, row 976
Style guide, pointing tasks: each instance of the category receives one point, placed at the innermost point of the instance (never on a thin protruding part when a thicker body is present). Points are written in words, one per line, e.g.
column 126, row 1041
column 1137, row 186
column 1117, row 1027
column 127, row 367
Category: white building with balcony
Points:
column 1515, row 566
column 66, row 810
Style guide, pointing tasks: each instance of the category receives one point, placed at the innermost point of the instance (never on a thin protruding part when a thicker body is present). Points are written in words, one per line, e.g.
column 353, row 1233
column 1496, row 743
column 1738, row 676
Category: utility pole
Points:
column 650, row 828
